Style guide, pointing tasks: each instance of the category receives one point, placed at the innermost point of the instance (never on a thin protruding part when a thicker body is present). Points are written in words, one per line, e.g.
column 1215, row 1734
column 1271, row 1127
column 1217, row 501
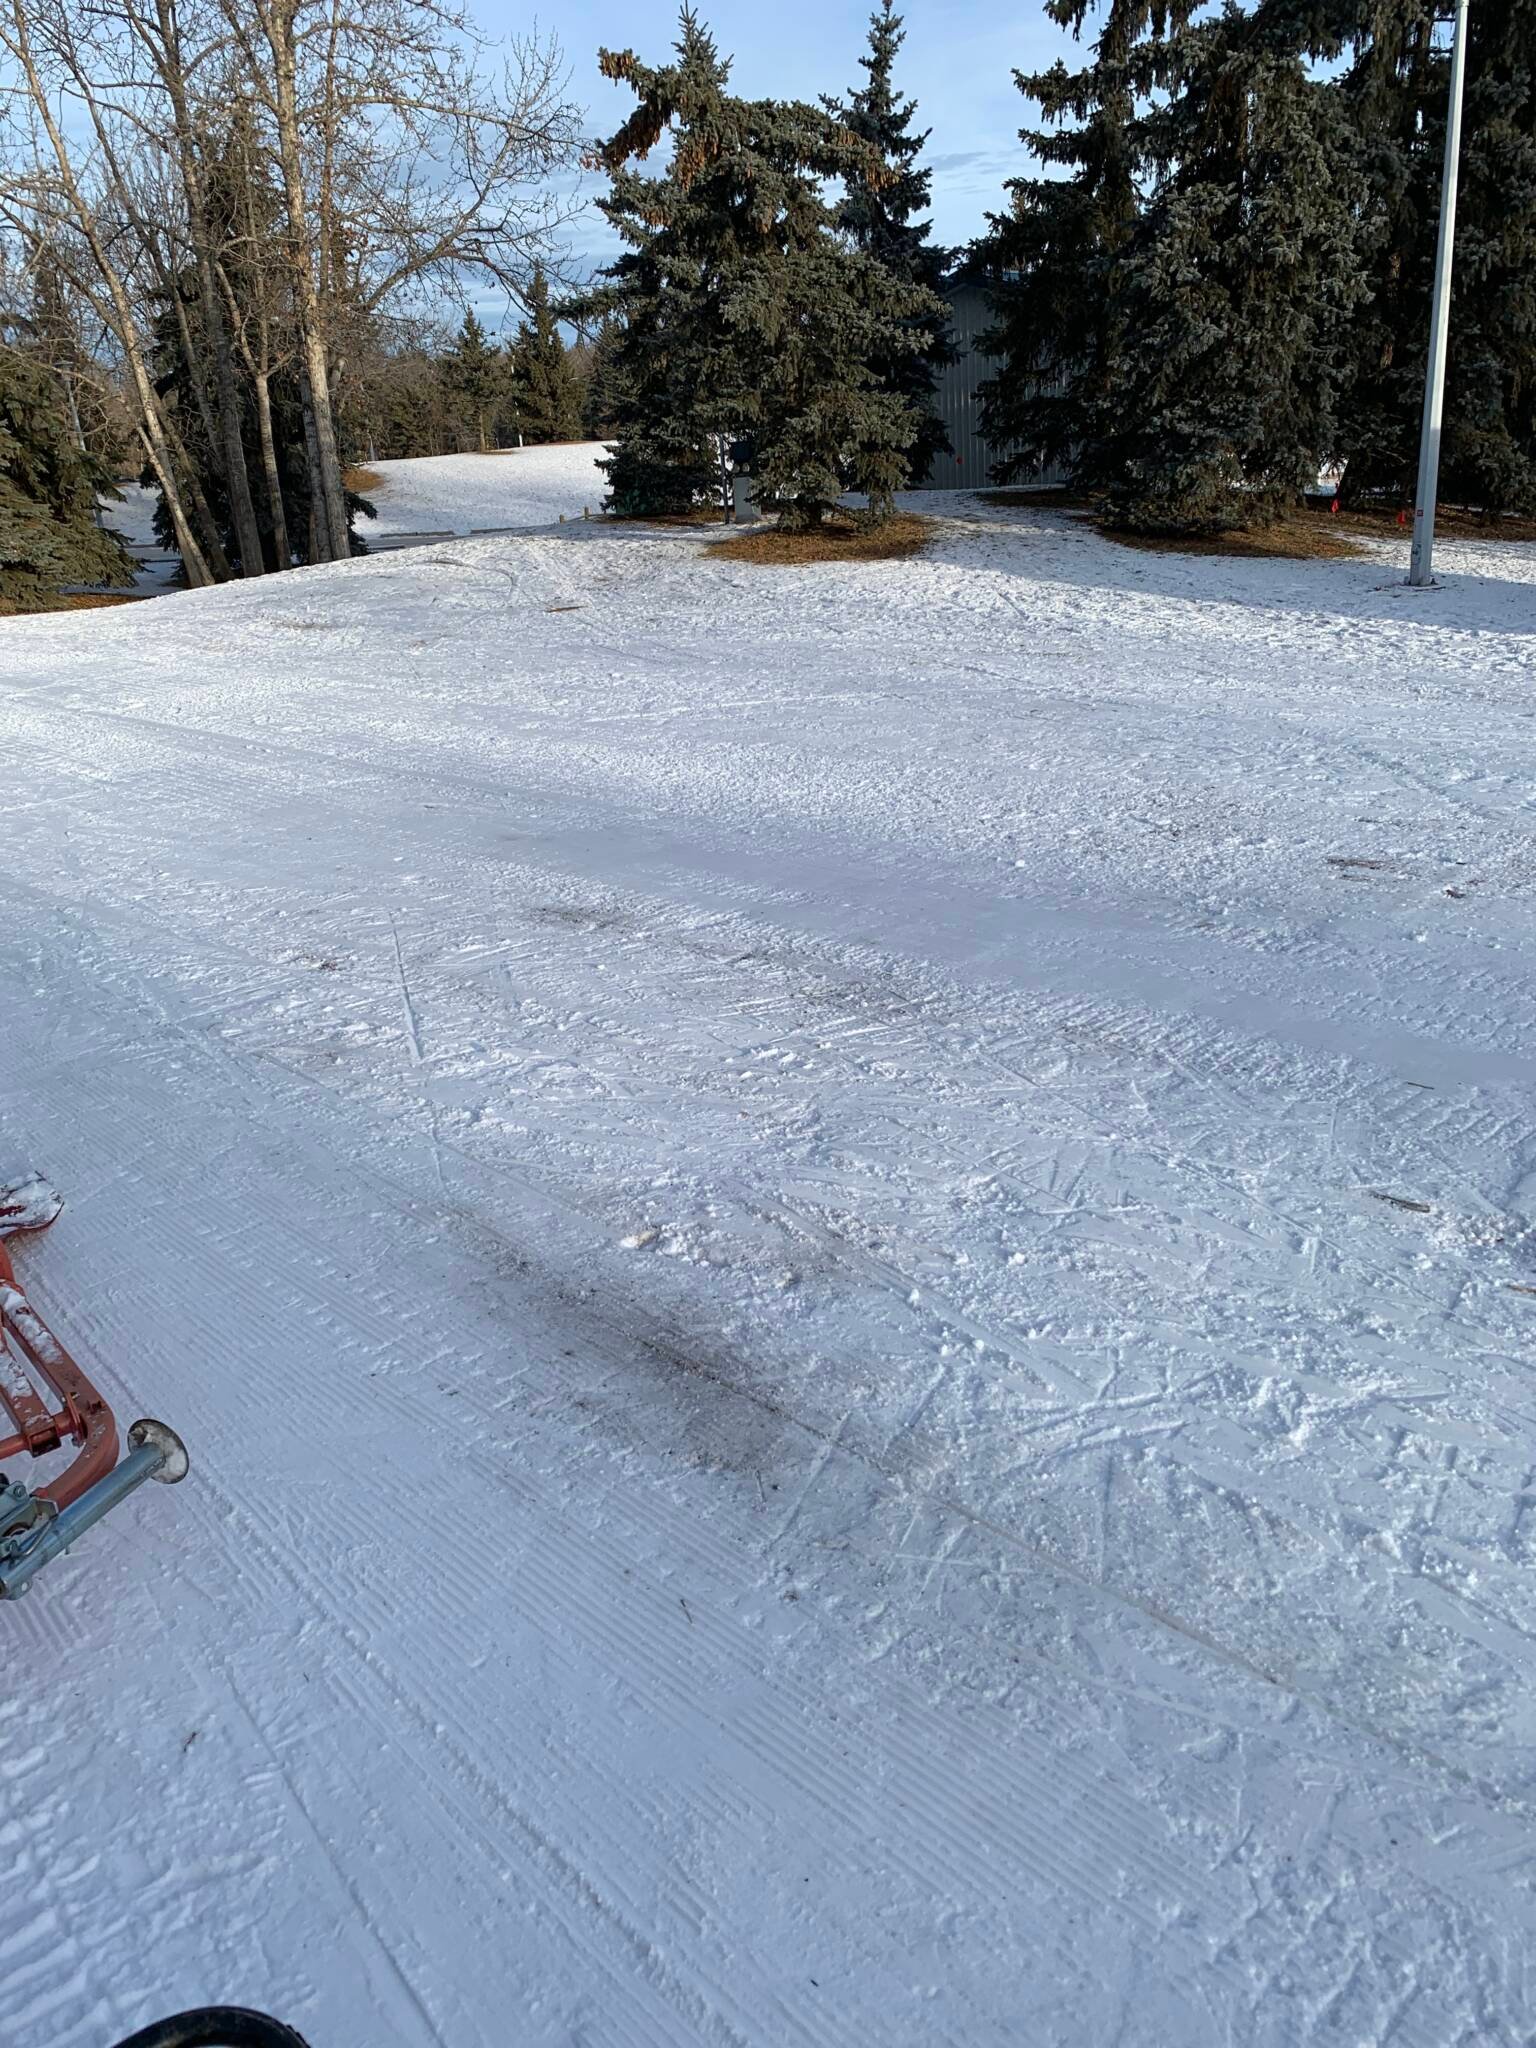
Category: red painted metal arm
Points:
column 34, row 1366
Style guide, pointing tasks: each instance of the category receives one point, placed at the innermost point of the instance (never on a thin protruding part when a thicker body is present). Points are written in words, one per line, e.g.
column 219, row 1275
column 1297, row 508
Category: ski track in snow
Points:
column 848, row 1259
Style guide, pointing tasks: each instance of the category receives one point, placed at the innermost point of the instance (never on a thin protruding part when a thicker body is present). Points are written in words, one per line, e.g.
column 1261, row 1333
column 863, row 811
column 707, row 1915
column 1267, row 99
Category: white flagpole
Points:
column 1421, row 566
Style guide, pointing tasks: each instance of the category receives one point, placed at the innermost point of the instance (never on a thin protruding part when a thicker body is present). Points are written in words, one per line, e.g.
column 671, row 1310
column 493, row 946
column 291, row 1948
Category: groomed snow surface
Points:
column 847, row 1255
column 462, row 493
column 414, row 501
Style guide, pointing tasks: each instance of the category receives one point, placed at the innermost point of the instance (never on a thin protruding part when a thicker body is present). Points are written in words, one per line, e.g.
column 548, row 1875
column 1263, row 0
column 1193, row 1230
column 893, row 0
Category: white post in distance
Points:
column 1421, row 564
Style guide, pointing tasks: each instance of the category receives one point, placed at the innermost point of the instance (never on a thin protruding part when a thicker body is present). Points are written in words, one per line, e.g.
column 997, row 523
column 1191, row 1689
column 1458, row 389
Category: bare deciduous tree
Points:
column 402, row 166
column 256, row 183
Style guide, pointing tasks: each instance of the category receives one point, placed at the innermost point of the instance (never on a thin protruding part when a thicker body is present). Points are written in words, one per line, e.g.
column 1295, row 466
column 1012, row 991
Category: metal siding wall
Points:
column 959, row 407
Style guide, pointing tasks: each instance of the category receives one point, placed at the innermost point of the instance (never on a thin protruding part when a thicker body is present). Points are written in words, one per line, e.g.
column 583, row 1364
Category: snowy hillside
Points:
column 457, row 493
column 847, row 1255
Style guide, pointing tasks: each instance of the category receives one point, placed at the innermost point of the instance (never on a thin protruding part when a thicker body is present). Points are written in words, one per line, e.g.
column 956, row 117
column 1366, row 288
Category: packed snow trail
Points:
column 847, row 1256
column 508, row 487
column 414, row 500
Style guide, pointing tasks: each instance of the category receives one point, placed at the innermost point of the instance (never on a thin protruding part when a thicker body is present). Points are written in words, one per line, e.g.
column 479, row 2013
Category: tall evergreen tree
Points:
column 600, row 397
column 879, row 214
column 1491, row 455
column 1396, row 91
column 49, row 485
column 674, row 371
column 1052, row 255
column 746, row 316
column 547, row 393
column 1234, row 277
column 473, row 372
column 1177, row 325
column 1228, row 305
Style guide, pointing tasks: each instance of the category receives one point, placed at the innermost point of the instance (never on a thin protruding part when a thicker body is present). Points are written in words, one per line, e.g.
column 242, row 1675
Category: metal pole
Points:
column 1421, row 565
column 155, row 1452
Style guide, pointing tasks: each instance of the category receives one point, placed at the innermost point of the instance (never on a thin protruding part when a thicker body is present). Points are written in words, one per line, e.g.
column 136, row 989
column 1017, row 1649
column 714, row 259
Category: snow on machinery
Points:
column 51, row 1403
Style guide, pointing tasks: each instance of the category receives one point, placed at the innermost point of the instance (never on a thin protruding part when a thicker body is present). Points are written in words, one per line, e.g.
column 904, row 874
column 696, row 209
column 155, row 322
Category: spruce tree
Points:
column 746, row 315
column 674, row 371
column 1177, row 316
column 49, row 486
column 546, row 391
column 1052, row 255
column 1228, row 306
column 878, row 214
column 1490, row 456
column 1391, row 90
column 1396, row 91
column 600, row 396
column 473, row 374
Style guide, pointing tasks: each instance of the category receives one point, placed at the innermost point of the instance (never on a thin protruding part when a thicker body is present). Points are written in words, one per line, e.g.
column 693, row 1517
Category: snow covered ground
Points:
column 848, row 1258
column 428, row 496
column 462, row 493
column 131, row 516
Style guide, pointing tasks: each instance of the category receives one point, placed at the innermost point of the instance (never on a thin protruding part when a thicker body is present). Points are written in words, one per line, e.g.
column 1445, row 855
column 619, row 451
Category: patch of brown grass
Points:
column 1300, row 539
column 363, row 481
column 1452, row 522
column 1312, row 533
column 70, row 601
column 840, row 540
column 1307, row 537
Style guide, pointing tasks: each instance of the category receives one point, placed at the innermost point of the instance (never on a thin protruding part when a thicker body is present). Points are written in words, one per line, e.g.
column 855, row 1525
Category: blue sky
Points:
column 958, row 62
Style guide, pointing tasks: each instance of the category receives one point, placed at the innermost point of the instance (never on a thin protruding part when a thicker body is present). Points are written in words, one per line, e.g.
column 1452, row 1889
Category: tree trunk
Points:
column 197, row 375
column 326, row 483
column 210, row 541
column 282, row 553
column 333, row 491
column 228, row 442
column 199, row 575
column 236, row 477
column 319, row 542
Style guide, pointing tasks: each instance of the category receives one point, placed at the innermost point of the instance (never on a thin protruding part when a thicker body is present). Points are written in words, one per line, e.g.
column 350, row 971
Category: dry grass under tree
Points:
column 1306, row 537
column 67, row 601
column 1313, row 532
column 1452, row 522
column 1299, row 539
column 838, row 540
